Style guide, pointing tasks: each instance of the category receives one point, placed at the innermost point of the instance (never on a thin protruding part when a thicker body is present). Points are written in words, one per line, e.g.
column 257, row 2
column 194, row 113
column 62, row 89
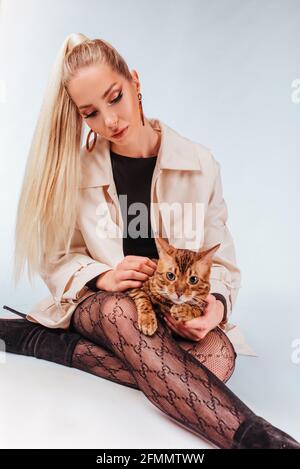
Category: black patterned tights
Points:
column 184, row 379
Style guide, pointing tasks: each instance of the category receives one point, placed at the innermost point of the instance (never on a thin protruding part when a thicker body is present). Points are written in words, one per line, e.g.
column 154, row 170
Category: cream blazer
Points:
column 187, row 174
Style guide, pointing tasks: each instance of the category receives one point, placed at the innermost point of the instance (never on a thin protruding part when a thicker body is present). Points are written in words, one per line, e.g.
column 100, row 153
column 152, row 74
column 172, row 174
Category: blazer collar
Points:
column 175, row 153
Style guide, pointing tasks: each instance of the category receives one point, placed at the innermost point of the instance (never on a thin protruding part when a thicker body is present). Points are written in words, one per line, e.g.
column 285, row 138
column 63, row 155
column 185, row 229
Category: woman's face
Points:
column 107, row 101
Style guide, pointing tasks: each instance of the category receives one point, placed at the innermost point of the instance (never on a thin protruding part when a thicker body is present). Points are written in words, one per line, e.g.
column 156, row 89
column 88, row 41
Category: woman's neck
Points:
column 145, row 144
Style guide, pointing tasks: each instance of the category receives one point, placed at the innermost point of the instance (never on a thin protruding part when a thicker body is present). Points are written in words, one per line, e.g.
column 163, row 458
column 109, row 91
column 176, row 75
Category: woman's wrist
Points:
column 102, row 279
column 221, row 299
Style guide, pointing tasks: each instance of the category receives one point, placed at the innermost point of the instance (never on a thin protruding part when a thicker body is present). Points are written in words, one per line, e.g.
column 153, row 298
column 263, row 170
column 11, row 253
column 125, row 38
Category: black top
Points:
column 133, row 178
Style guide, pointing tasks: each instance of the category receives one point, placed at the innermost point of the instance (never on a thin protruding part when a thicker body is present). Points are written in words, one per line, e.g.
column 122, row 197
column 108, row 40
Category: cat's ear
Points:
column 164, row 245
column 207, row 255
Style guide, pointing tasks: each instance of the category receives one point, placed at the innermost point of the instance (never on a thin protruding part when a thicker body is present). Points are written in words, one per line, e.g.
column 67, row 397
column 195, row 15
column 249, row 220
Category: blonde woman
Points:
column 68, row 210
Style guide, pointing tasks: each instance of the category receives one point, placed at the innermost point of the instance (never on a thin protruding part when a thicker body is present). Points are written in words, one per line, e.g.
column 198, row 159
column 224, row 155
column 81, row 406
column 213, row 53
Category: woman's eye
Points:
column 91, row 115
column 118, row 98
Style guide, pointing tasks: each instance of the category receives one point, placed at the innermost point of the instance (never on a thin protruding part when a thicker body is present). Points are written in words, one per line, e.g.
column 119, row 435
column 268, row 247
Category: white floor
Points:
column 46, row 405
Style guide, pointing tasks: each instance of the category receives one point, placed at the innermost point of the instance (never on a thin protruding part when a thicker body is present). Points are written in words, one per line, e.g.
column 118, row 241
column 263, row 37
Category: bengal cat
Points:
column 179, row 286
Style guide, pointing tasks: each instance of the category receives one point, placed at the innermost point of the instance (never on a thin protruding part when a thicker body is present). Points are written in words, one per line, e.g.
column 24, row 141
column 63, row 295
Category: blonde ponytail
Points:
column 47, row 208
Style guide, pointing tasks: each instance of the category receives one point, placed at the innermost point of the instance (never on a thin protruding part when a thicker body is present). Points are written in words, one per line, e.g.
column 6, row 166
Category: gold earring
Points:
column 88, row 141
column 141, row 108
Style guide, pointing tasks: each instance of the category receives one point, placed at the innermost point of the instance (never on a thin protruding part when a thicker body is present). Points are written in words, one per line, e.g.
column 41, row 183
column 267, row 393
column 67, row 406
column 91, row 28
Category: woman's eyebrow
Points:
column 103, row 97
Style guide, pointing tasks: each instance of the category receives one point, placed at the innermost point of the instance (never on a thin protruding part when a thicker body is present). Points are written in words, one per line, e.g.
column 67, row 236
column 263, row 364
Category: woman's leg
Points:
column 102, row 362
column 65, row 347
column 71, row 349
column 171, row 378
column 215, row 351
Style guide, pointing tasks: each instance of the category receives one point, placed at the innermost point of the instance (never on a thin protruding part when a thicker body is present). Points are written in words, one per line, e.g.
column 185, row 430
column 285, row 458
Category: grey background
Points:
column 219, row 72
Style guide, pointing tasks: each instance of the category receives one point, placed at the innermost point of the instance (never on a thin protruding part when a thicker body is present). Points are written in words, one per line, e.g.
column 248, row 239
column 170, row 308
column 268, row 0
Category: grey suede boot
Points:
column 256, row 433
column 24, row 337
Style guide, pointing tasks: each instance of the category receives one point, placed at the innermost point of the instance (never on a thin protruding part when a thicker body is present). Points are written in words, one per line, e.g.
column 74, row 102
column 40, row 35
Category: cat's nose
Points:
column 179, row 293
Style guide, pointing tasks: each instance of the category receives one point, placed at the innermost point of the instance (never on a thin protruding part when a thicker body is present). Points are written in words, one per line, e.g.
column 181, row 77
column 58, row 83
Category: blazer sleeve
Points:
column 67, row 273
column 225, row 277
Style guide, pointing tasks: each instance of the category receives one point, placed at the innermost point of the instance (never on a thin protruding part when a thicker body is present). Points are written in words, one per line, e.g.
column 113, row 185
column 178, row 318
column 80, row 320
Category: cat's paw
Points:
column 147, row 323
column 185, row 312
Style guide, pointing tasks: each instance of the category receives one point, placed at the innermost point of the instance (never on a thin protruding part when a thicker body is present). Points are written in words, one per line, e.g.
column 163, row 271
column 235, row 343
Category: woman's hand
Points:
column 131, row 272
column 196, row 329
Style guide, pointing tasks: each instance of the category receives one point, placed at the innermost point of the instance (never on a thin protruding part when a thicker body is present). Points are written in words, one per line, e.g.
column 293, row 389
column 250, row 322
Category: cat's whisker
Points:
column 192, row 302
column 199, row 302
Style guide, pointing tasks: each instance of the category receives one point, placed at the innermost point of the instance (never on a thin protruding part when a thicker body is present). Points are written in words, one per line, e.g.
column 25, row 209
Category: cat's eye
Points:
column 193, row 279
column 170, row 276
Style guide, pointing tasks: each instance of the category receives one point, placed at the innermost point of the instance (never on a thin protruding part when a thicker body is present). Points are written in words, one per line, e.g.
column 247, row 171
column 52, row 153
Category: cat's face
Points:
column 182, row 276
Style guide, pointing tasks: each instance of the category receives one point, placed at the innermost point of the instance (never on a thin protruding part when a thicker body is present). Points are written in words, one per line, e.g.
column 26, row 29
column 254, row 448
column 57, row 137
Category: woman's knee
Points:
column 104, row 307
column 217, row 353
column 110, row 307
column 117, row 304
column 228, row 354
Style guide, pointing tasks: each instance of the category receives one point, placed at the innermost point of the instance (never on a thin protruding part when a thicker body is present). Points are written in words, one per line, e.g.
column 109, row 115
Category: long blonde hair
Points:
column 47, row 208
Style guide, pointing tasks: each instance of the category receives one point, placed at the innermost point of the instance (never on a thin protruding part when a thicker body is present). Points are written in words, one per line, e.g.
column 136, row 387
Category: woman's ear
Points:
column 136, row 79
